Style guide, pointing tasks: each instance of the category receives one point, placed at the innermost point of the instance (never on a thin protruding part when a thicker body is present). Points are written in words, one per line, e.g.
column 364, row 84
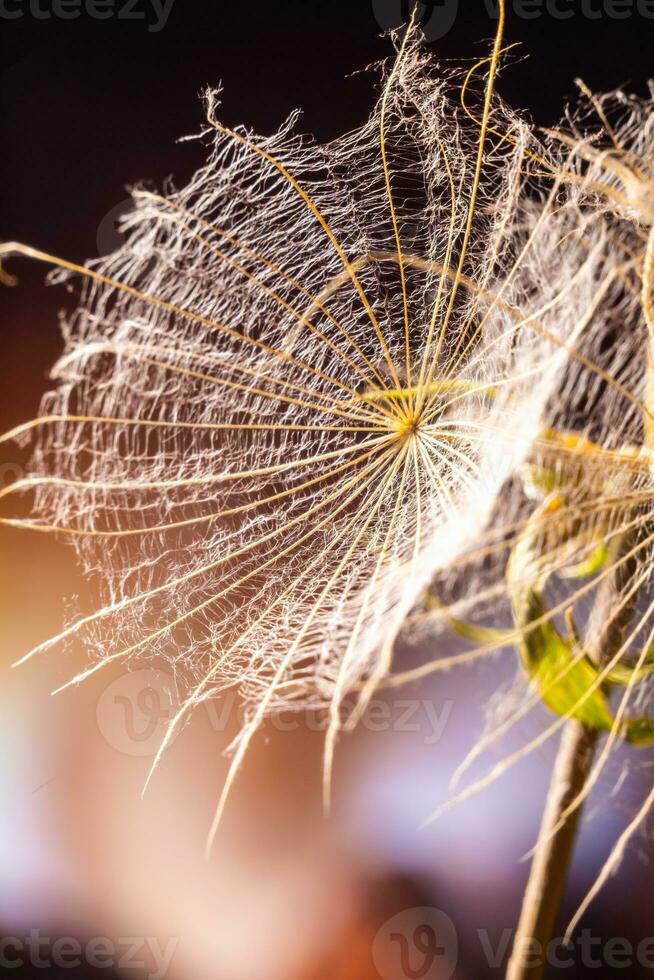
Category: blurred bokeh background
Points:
column 90, row 105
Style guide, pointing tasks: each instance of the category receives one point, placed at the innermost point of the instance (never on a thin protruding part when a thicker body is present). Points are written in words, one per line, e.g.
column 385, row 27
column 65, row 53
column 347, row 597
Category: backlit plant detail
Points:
column 319, row 381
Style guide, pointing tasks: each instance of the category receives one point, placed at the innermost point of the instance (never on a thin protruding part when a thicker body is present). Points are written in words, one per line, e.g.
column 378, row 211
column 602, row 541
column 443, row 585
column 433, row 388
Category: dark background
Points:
column 89, row 106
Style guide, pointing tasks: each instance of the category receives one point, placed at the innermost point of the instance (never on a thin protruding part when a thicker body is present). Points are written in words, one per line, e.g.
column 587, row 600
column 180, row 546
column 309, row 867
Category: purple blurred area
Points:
column 83, row 856
column 85, row 863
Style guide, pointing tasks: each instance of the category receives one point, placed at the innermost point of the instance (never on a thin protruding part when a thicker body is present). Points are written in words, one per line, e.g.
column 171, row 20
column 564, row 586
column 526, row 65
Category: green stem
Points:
column 549, row 869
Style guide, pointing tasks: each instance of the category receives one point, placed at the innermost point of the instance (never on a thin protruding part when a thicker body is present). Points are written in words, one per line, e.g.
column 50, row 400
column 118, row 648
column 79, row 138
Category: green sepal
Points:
column 639, row 731
column 546, row 655
column 595, row 562
column 483, row 635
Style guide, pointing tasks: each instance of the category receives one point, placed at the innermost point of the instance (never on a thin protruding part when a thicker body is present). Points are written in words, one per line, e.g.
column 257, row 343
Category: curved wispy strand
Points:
column 295, row 392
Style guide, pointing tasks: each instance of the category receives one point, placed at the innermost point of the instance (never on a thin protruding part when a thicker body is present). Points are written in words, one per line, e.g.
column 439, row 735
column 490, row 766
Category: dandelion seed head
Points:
column 606, row 148
column 295, row 392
